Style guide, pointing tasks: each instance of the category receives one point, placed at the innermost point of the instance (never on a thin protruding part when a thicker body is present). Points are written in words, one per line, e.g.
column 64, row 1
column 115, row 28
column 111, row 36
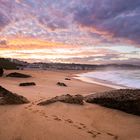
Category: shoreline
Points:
column 98, row 81
column 106, row 78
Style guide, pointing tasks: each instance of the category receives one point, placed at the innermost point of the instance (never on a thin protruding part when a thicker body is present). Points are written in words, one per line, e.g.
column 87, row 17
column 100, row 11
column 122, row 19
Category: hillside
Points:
column 7, row 64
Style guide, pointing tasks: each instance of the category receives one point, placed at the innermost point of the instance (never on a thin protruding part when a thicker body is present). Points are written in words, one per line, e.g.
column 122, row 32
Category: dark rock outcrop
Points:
column 72, row 99
column 18, row 75
column 127, row 100
column 1, row 71
column 61, row 84
column 27, row 84
column 7, row 98
column 67, row 79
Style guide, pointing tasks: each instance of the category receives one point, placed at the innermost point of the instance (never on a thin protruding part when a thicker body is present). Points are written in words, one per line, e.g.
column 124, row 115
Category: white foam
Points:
column 113, row 78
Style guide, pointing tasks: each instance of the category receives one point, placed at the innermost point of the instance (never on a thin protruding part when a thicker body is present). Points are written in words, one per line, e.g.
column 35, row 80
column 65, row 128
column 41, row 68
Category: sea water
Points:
column 123, row 78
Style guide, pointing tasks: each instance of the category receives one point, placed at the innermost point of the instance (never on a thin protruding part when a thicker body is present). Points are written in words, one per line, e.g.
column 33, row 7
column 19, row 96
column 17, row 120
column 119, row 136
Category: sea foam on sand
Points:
column 113, row 78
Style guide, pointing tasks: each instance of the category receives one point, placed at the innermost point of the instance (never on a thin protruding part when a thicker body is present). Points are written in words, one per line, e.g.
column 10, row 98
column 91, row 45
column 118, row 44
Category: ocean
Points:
column 113, row 78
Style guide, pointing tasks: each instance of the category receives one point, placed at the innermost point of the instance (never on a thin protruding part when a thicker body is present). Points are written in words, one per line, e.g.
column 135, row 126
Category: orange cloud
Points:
column 31, row 43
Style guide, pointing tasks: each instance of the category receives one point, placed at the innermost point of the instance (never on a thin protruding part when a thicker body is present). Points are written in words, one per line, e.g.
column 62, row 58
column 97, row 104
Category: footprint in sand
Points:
column 39, row 112
column 45, row 116
column 39, row 100
column 56, row 118
column 35, row 111
column 112, row 135
column 80, row 126
column 42, row 113
column 83, row 125
column 29, row 107
column 93, row 133
column 26, row 107
column 69, row 121
column 32, row 104
column 115, row 137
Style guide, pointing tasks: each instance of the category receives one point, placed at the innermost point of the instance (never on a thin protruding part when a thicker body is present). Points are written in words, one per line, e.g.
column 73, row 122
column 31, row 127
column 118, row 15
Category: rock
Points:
column 7, row 98
column 127, row 100
column 1, row 71
column 27, row 84
column 18, row 75
column 67, row 79
column 72, row 99
column 61, row 84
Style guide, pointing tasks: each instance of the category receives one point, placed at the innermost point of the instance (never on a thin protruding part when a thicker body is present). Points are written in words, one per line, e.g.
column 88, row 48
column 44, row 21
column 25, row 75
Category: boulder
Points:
column 127, row 100
column 18, row 75
column 27, row 84
column 72, row 99
column 61, row 84
column 67, row 79
column 7, row 97
column 1, row 71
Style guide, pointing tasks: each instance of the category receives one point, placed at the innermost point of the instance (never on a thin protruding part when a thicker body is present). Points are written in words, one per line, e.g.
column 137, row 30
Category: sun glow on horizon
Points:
column 33, row 42
column 35, row 50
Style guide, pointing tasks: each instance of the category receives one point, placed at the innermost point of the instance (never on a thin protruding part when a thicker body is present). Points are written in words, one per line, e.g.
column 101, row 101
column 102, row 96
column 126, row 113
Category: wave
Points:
column 118, row 78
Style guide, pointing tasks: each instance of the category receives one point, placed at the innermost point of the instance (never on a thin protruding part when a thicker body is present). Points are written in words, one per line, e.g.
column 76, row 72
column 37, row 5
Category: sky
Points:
column 71, row 31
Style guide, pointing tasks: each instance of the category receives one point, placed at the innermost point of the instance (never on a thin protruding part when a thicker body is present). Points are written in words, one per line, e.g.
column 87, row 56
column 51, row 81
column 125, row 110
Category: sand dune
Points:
column 61, row 121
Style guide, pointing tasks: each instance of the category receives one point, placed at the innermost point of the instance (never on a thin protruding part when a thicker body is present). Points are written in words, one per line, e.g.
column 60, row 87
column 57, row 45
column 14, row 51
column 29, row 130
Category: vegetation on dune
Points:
column 7, row 64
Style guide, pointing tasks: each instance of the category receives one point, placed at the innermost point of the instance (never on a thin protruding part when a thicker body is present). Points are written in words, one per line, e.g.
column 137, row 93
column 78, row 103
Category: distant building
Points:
column 34, row 66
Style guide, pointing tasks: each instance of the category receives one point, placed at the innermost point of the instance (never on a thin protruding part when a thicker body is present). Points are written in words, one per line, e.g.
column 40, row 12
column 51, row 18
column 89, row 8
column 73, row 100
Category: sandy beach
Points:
column 60, row 121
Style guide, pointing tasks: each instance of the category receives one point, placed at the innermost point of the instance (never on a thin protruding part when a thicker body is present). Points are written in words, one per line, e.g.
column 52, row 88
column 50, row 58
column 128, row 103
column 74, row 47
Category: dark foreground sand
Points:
column 61, row 121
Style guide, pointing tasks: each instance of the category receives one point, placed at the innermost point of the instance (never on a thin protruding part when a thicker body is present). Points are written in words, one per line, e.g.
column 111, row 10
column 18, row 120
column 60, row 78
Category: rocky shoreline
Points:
column 18, row 75
column 8, row 98
column 71, row 99
column 127, row 100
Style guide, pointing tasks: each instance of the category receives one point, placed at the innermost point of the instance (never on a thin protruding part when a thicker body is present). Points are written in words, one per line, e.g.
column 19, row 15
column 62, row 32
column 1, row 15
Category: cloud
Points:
column 3, row 42
column 119, row 19
column 110, row 20
column 88, row 25
column 53, row 24
column 3, row 21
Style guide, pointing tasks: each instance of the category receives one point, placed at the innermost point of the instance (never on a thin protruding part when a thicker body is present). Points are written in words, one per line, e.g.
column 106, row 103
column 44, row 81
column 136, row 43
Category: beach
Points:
column 61, row 121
